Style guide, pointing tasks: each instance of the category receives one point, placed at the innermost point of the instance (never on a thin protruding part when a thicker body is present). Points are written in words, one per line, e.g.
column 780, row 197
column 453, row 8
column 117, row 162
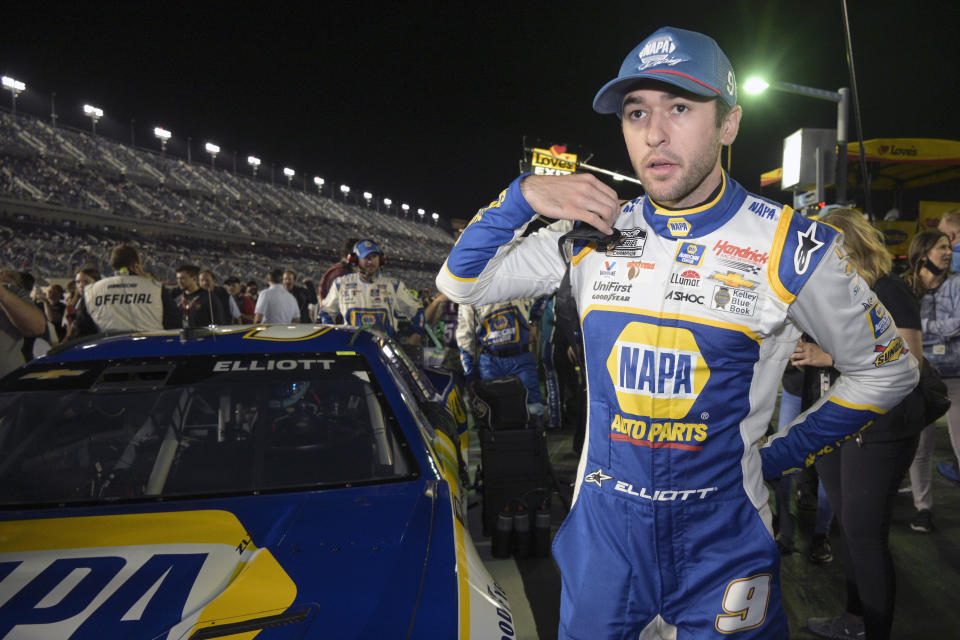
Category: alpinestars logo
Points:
column 597, row 477
column 807, row 245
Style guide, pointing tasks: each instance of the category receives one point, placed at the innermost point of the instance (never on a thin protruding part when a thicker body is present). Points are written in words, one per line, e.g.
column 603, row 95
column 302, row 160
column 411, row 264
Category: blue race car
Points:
column 288, row 482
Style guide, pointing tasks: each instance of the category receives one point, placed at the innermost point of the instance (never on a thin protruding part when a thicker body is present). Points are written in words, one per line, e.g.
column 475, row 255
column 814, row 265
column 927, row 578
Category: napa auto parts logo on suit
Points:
column 134, row 576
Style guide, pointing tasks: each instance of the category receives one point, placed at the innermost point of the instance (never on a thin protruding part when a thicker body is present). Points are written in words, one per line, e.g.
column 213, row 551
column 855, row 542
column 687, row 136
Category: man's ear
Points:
column 730, row 126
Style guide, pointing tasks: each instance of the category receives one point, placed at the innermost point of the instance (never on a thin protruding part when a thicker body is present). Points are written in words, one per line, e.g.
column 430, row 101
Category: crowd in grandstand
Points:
column 88, row 173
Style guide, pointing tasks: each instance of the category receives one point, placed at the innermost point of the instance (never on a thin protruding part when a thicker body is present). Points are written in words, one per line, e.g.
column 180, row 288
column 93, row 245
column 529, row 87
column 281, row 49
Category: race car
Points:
column 277, row 482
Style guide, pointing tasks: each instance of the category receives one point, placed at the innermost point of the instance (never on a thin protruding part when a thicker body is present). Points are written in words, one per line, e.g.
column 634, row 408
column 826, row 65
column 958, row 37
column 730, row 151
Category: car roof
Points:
column 253, row 339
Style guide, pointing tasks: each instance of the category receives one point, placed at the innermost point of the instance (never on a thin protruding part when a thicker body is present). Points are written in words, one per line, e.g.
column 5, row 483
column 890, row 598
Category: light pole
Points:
column 421, row 213
column 345, row 190
column 368, row 197
column 213, row 150
column 53, row 109
column 317, row 180
column 163, row 136
column 841, row 97
column 405, row 208
column 287, row 171
column 254, row 163
column 94, row 114
column 188, row 149
column 14, row 87
column 386, row 203
column 436, row 217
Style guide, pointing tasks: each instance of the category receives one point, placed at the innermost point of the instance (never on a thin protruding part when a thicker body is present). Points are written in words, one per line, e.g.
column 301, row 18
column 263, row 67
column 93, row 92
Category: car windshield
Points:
column 203, row 425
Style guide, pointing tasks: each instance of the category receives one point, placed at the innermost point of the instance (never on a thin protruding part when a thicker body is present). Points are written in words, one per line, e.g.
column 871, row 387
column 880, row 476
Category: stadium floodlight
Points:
column 420, row 212
column 14, row 87
column 405, row 207
column 213, row 150
column 367, row 196
column 163, row 136
column 756, row 85
column 254, row 163
column 435, row 216
column 94, row 114
column 317, row 180
column 287, row 171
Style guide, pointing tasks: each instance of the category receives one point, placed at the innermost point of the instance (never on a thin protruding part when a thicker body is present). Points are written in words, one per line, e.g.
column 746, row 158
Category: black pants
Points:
column 861, row 482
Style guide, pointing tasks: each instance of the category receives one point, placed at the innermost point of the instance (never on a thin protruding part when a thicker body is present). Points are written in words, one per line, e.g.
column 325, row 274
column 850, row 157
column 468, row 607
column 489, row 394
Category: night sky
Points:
column 428, row 103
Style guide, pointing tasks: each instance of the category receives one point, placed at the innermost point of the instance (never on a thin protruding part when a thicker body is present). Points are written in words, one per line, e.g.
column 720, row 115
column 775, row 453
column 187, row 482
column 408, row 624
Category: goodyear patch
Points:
column 655, row 381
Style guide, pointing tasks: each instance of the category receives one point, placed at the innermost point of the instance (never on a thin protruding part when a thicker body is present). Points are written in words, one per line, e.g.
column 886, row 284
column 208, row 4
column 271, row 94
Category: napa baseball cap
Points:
column 686, row 59
column 365, row 248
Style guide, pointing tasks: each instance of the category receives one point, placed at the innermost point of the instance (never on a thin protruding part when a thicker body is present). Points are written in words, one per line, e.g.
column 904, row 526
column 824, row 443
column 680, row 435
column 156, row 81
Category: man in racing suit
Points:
column 366, row 297
column 689, row 312
column 494, row 341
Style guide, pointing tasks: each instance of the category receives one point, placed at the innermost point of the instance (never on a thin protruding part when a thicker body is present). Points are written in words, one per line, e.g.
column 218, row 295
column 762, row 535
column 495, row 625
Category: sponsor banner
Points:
column 554, row 161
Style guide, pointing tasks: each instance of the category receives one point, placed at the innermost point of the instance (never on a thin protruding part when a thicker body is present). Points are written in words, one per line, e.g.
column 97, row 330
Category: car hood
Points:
column 346, row 561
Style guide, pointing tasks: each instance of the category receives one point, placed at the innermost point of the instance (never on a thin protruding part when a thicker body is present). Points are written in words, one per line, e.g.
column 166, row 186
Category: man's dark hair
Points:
column 348, row 246
column 91, row 272
column 123, row 257
column 276, row 276
column 722, row 110
column 232, row 280
column 189, row 269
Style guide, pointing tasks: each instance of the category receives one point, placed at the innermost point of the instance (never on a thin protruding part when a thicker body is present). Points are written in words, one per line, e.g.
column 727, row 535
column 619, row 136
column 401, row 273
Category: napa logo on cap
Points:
column 657, row 381
column 657, row 51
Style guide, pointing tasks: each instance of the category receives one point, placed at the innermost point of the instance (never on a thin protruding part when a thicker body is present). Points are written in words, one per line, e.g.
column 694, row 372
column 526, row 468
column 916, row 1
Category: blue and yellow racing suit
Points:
column 688, row 320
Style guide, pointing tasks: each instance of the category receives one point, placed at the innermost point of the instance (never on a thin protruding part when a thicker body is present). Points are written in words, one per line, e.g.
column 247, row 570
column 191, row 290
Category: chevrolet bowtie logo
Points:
column 733, row 279
column 52, row 374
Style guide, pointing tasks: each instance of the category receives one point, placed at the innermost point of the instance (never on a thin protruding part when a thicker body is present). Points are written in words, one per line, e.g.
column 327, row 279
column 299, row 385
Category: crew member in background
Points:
column 950, row 225
column 19, row 318
column 131, row 300
column 300, row 293
column 369, row 298
column 240, row 298
column 494, row 341
column 225, row 306
column 198, row 307
column 340, row 268
column 276, row 305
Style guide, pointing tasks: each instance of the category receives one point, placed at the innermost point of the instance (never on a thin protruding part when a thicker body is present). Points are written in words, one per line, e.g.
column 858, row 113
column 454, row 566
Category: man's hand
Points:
column 579, row 196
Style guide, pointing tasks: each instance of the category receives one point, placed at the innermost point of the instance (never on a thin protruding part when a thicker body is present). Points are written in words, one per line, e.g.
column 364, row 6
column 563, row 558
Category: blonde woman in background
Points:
column 861, row 477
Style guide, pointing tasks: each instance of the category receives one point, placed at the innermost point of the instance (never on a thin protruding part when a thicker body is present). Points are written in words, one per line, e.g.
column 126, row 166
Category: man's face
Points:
column 288, row 281
column 674, row 143
column 186, row 281
column 252, row 290
column 233, row 288
column 948, row 229
column 206, row 282
column 370, row 264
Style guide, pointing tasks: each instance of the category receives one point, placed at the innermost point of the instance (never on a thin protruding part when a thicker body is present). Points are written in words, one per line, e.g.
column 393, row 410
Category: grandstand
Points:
column 67, row 197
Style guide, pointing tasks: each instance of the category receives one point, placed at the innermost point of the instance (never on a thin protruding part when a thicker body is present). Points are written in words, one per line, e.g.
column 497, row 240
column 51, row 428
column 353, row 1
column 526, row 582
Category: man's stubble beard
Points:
column 699, row 170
